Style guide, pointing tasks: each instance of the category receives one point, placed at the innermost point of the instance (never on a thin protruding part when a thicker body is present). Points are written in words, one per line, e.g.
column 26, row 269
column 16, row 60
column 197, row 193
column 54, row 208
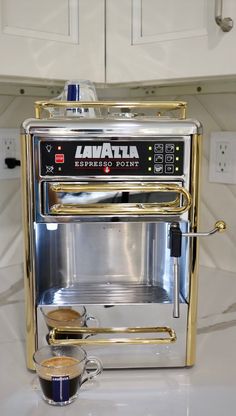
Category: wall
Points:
column 218, row 201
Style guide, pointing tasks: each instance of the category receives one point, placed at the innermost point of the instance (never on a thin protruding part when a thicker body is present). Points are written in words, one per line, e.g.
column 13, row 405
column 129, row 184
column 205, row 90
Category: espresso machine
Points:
column 111, row 212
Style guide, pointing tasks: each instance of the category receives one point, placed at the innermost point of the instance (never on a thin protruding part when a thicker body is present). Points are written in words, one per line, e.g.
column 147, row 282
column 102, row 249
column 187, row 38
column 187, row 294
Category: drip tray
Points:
column 105, row 294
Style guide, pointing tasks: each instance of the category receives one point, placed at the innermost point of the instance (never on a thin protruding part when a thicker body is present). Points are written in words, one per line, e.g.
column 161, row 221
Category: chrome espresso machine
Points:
column 111, row 211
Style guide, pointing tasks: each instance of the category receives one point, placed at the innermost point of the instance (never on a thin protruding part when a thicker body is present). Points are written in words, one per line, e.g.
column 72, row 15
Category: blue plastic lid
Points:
column 73, row 92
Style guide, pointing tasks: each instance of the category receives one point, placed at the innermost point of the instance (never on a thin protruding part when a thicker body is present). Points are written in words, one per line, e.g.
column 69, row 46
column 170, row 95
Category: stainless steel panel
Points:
column 107, row 259
column 140, row 125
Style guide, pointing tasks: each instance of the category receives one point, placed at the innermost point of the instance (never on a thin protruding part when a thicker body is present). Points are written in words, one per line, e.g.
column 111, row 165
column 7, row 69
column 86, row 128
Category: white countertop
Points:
column 207, row 389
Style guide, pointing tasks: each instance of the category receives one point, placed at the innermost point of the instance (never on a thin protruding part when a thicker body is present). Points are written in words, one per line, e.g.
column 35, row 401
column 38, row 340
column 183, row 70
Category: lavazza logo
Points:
column 106, row 155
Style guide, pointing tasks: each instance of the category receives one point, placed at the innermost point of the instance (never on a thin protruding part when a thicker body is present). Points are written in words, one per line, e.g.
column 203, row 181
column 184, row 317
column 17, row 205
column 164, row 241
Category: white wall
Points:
column 215, row 111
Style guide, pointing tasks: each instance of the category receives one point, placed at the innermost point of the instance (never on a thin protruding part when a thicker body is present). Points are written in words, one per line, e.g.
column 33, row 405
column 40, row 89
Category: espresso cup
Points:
column 62, row 370
column 67, row 316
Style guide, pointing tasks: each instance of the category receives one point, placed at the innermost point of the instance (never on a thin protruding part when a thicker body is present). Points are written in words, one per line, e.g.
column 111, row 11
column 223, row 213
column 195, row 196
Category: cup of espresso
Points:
column 67, row 316
column 62, row 370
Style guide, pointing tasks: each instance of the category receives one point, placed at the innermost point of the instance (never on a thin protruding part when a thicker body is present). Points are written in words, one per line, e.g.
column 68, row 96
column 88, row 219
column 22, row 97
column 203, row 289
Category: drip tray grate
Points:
column 105, row 294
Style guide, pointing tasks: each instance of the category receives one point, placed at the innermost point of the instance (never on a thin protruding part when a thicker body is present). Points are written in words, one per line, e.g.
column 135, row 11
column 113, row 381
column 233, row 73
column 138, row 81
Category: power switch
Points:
column 59, row 158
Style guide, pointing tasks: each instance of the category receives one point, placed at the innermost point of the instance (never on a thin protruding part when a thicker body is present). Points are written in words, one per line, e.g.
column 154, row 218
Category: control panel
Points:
column 78, row 157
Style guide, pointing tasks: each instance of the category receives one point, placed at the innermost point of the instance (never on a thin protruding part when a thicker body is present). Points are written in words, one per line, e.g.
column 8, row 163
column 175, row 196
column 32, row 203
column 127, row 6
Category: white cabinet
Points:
column 163, row 40
column 52, row 39
column 146, row 40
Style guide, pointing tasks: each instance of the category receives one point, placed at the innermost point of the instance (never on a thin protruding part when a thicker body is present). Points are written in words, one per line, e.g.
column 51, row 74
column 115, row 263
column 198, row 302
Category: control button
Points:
column 169, row 169
column 158, row 158
column 169, row 159
column 48, row 148
column 49, row 169
column 169, row 148
column 158, row 168
column 59, row 158
column 158, row 148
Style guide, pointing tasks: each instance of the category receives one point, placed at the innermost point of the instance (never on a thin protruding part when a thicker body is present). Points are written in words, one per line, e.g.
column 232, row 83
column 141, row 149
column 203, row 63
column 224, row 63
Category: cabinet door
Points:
column 52, row 39
column 159, row 40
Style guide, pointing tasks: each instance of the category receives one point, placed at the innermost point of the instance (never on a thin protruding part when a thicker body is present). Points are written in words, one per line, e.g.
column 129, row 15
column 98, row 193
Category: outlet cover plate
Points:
column 9, row 147
column 222, row 163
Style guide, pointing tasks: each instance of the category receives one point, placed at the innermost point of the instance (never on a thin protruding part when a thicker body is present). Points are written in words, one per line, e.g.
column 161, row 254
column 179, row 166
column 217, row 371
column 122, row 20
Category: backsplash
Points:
column 218, row 201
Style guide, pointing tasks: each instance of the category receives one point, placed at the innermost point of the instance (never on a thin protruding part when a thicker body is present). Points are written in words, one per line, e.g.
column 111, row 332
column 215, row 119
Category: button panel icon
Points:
column 168, row 158
column 169, row 148
column 158, row 168
column 169, row 169
column 158, row 148
column 158, row 158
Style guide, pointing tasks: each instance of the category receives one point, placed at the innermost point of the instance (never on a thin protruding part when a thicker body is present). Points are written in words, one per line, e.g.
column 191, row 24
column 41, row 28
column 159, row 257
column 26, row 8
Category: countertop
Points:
column 207, row 389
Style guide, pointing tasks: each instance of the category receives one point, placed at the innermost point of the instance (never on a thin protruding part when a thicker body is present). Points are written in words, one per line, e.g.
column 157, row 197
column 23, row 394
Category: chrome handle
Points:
column 161, row 208
column 220, row 226
column 104, row 341
column 225, row 23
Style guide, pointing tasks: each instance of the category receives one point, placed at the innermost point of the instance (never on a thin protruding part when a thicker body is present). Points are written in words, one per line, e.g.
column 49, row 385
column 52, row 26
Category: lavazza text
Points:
column 106, row 155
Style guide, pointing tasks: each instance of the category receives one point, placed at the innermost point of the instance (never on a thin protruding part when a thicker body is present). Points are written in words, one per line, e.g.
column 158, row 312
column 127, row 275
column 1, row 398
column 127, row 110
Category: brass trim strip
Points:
column 171, row 207
column 111, row 187
column 29, row 272
column 160, row 105
column 194, row 250
column 102, row 341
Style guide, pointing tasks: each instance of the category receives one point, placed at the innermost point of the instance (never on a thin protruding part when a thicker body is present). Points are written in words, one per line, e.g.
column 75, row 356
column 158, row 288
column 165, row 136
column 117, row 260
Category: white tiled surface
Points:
column 207, row 389
column 215, row 111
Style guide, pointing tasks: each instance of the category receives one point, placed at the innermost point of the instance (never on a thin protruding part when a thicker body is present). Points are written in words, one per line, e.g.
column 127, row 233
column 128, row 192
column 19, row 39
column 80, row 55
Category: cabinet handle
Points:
column 225, row 23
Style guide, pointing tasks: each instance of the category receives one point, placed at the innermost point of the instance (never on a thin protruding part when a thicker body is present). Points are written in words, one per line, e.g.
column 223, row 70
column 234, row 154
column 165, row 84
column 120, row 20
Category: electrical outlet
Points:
column 9, row 148
column 222, row 157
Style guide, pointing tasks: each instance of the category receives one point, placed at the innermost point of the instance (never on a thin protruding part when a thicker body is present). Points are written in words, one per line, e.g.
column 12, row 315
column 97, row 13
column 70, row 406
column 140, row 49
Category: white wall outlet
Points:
column 9, row 148
column 222, row 165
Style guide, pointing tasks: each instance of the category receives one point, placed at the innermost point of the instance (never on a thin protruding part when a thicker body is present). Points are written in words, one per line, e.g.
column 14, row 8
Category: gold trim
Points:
column 160, row 105
column 103, row 341
column 220, row 225
column 29, row 284
column 106, row 209
column 194, row 250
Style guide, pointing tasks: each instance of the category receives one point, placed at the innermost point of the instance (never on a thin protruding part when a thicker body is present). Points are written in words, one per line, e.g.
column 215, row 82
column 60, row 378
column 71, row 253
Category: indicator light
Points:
column 149, row 158
column 149, row 147
column 177, row 158
column 106, row 169
column 176, row 169
column 177, row 148
column 58, row 147
column 149, row 169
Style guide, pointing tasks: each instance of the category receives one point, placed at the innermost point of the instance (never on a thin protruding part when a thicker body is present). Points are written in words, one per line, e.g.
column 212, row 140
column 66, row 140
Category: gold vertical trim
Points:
column 29, row 286
column 194, row 249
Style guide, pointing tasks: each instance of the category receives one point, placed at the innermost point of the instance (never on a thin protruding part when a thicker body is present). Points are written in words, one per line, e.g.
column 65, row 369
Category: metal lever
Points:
column 175, row 252
column 220, row 226
column 225, row 23
column 175, row 244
